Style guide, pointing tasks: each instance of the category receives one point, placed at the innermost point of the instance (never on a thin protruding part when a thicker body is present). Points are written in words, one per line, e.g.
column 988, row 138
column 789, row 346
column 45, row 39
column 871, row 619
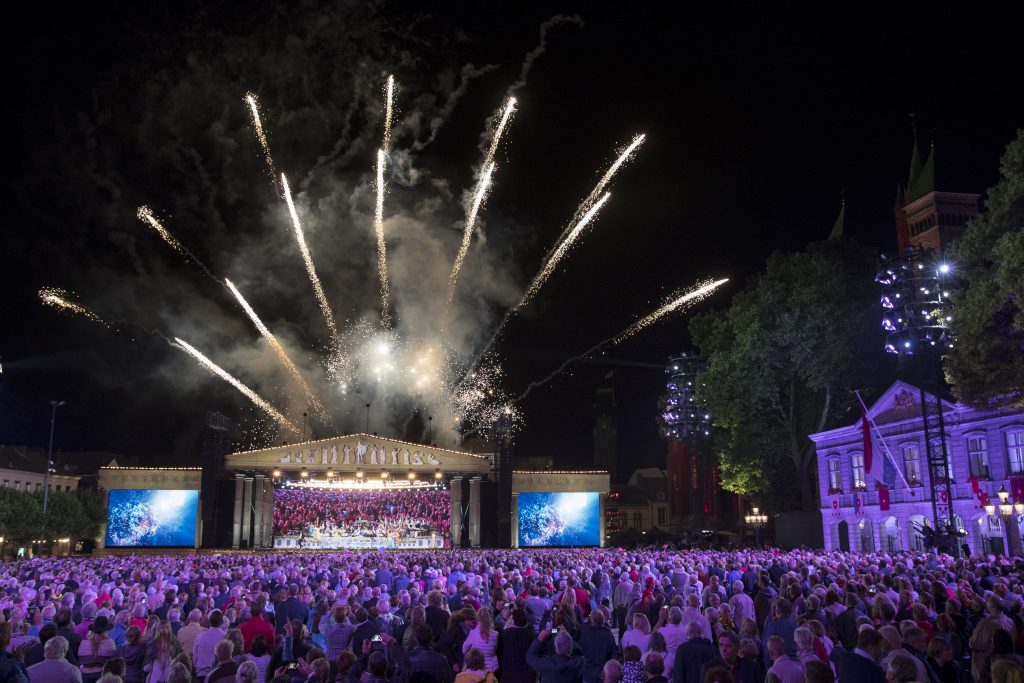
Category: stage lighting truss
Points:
column 916, row 306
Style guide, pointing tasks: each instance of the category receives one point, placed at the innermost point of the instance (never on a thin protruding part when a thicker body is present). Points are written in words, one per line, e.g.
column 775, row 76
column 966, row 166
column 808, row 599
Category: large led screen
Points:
column 559, row 519
column 142, row 517
column 364, row 517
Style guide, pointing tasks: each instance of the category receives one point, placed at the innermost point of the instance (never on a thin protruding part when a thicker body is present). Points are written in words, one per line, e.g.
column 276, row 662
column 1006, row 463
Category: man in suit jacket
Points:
column 692, row 655
column 861, row 665
column 290, row 609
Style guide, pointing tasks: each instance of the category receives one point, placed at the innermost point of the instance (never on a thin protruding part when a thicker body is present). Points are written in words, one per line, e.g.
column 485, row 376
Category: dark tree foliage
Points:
column 782, row 362
column 986, row 366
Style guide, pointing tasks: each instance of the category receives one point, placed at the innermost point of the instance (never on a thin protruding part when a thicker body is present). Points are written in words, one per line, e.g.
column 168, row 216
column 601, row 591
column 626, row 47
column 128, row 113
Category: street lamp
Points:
column 757, row 521
column 49, row 455
column 1011, row 514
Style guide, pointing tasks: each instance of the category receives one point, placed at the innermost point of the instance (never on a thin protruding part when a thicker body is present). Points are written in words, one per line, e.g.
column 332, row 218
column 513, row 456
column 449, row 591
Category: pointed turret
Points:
column 915, row 159
column 837, row 227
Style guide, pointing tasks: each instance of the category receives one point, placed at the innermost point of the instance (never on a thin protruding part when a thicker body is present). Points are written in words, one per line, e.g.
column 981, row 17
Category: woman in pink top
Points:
column 485, row 638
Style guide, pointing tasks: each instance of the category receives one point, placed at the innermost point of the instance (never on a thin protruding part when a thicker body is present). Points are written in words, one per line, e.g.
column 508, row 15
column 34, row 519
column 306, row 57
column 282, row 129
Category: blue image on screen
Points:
column 559, row 519
column 137, row 517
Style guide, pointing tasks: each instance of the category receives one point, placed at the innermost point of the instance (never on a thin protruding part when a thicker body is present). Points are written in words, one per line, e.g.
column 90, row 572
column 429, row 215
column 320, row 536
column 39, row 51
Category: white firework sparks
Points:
column 560, row 251
column 282, row 355
column 382, row 249
column 246, row 391
column 308, row 260
column 389, row 100
column 261, row 135
column 467, row 233
column 59, row 299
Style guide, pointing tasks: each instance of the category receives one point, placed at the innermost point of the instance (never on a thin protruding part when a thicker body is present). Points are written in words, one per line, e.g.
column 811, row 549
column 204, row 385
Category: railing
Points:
column 903, row 495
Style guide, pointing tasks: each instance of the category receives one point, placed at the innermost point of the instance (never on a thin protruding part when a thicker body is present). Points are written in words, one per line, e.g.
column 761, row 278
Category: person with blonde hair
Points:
column 484, row 637
column 96, row 649
column 639, row 635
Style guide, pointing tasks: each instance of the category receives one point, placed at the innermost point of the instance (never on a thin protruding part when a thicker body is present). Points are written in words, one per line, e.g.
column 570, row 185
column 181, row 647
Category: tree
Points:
column 782, row 360
column 986, row 365
column 21, row 516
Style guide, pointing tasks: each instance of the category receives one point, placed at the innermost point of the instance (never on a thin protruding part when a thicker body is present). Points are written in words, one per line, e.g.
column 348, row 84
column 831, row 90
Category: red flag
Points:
column 1017, row 489
column 883, row 497
column 975, row 486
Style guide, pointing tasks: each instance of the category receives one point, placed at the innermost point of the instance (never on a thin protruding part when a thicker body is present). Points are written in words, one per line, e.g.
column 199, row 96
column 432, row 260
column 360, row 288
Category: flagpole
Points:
column 888, row 453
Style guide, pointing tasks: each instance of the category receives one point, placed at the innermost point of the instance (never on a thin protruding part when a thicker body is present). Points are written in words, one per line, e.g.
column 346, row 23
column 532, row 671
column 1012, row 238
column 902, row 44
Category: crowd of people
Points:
column 514, row 616
column 386, row 513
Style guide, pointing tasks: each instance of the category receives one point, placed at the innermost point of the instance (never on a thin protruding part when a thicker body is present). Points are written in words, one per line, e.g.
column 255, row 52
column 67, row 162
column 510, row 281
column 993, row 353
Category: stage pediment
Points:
column 359, row 451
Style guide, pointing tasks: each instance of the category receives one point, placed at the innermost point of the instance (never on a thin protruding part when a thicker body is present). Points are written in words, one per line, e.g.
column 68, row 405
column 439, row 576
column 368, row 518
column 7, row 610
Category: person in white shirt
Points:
column 674, row 633
column 741, row 603
column 55, row 668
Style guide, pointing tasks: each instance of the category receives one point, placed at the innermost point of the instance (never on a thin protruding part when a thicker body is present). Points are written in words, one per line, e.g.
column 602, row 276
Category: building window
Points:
column 857, row 467
column 835, row 480
column 993, row 523
column 1015, row 451
column 911, row 464
column 638, row 520
column 693, row 473
column 660, row 495
column 977, row 456
column 662, row 516
column 7, row 483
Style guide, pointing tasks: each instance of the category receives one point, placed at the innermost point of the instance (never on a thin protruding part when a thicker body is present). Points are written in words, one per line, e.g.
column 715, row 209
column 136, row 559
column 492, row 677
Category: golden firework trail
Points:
column 308, row 260
column 560, row 251
column 382, row 250
column 478, row 195
column 58, row 298
column 389, row 100
column 282, row 355
column 145, row 214
column 691, row 296
column 250, row 99
column 587, row 203
column 246, row 391
column 467, row 234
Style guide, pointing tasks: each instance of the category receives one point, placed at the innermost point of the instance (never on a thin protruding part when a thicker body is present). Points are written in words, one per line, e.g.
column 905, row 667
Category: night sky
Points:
column 754, row 124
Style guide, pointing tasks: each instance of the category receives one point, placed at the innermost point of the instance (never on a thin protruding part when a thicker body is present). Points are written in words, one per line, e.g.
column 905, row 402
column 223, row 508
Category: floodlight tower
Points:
column 916, row 315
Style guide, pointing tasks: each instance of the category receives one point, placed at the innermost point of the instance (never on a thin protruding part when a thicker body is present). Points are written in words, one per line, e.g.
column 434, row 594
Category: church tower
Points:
column 928, row 219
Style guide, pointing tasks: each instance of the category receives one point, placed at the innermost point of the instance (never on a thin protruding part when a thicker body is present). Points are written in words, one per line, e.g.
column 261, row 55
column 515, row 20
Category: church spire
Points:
column 837, row 227
column 915, row 158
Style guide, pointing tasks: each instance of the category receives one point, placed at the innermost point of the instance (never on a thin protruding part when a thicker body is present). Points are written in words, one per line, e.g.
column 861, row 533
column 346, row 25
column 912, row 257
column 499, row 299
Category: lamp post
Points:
column 757, row 521
column 1011, row 513
column 49, row 455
